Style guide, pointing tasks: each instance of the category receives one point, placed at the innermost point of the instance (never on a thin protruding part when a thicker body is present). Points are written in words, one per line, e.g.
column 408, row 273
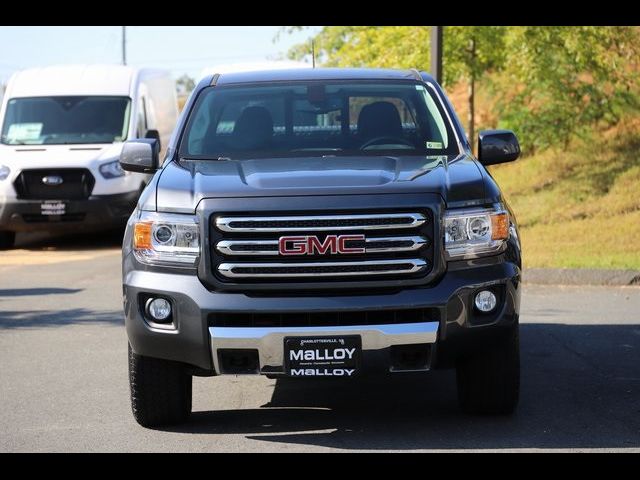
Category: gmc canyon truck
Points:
column 320, row 223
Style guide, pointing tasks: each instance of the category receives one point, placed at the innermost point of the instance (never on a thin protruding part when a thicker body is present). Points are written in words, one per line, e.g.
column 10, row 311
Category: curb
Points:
column 576, row 276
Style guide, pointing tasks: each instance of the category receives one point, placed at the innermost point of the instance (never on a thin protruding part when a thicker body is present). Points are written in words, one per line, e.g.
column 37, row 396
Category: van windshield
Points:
column 66, row 120
column 317, row 118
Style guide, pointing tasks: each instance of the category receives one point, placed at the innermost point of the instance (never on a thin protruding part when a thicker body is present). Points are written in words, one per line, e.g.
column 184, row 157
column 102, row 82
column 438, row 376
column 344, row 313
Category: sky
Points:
column 182, row 50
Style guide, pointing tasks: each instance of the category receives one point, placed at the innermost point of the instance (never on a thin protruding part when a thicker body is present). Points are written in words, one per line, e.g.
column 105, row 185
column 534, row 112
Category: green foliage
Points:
column 404, row 47
column 470, row 52
column 566, row 80
column 548, row 83
column 361, row 46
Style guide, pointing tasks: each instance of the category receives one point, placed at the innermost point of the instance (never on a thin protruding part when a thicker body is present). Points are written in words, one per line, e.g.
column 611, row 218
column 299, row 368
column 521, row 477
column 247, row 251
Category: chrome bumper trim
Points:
column 270, row 341
column 416, row 265
column 299, row 223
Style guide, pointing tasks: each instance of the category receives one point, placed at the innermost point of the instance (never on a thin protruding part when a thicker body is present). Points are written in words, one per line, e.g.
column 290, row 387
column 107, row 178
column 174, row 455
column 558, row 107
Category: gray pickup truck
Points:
column 320, row 223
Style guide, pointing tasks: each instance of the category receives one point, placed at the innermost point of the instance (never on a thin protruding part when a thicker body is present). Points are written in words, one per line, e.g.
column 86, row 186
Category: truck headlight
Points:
column 166, row 239
column 472, row 233
column 4, row 172
column 111, row 170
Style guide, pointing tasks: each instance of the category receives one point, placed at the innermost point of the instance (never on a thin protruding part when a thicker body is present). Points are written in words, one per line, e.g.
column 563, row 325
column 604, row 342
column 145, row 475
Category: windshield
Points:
column 317, row 118
column 65, row 120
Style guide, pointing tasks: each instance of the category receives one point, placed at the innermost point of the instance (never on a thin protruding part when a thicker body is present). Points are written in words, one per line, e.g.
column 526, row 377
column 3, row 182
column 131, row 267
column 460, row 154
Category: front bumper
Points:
column 453, row 330
column 95, row 212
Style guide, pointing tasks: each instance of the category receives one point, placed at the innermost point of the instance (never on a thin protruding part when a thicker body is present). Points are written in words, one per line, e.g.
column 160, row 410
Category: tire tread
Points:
column 161, row 391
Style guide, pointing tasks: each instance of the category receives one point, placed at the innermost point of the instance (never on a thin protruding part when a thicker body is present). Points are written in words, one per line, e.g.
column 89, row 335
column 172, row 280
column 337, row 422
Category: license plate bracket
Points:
column 327, row 356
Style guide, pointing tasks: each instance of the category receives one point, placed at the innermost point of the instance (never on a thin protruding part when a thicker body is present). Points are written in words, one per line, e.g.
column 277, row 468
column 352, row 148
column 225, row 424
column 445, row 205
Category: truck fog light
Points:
column 485, row 301
column 158, row 309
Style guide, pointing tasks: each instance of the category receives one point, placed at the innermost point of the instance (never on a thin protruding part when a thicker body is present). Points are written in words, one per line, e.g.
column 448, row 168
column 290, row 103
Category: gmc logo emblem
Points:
column 310, row 244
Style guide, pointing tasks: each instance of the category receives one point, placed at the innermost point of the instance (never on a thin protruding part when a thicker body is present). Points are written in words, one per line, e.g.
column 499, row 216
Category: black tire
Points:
column 160, row 391
column 489, row 382
column 7, row 239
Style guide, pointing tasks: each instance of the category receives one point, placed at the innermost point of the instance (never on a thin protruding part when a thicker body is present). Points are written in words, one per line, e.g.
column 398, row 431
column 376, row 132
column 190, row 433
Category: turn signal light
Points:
column 142, row 235
column 500, row 226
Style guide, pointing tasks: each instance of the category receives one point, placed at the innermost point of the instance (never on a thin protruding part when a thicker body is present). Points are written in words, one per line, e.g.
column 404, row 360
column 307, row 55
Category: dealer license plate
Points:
column 322, row 356
column 53, row 208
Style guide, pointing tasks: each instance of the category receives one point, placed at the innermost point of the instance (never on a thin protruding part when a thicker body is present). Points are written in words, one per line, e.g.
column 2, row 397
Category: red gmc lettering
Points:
column 292, row 245
column 342, row 239
column 311, row 244
column 330, row 244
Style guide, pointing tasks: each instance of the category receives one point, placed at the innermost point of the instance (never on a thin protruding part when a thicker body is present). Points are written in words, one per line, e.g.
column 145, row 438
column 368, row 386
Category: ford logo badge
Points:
column 52, row 180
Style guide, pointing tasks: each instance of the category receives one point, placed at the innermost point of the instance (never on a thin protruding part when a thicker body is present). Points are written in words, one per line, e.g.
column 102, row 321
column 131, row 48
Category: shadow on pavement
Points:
column 61, row 318
column 63, row 241
column 580, row 389
column 27, row 292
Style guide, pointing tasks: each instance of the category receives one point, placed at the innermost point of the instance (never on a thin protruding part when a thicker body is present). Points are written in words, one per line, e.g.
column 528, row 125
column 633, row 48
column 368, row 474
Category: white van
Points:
column 62, row 129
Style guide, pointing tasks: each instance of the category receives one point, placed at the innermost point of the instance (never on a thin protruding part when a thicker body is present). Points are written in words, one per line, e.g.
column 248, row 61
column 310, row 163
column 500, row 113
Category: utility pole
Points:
column 436, row 53
column 313, row 53
column 124, row 45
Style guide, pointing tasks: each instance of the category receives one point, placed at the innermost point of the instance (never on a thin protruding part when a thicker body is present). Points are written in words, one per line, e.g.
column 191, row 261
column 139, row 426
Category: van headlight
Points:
column 166, row 239
column 472, row 233
column 112, row 170
column 4, row 172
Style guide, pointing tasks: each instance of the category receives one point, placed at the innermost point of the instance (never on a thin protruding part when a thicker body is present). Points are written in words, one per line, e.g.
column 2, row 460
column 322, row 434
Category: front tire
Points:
column 7, row 240
column 489, row 382
column 160, row 391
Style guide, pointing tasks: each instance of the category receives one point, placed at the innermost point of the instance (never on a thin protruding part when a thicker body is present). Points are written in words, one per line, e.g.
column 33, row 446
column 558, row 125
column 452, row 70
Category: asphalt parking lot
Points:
column 64, row 385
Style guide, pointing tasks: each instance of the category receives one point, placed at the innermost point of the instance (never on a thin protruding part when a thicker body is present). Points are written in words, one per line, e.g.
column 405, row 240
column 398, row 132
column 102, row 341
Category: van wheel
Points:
column 489, row 382
column 160, row 391
column 7, row 239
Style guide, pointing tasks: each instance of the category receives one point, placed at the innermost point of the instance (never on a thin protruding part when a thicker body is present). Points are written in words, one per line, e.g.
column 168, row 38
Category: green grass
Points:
column 579, row 208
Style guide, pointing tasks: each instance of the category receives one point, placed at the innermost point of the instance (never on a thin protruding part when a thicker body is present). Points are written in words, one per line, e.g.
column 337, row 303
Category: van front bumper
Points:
column 453, row 328
column 97, row 211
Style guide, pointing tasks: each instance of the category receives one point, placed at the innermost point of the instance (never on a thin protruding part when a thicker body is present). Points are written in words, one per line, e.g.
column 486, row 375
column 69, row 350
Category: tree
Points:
column 558, row 81
column 470, row 53
column 185, row 84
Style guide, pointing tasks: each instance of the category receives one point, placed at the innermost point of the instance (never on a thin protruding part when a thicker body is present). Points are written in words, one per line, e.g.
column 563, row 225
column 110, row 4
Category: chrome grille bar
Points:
column 270, row 247
column 322, row 269
column 319, row 223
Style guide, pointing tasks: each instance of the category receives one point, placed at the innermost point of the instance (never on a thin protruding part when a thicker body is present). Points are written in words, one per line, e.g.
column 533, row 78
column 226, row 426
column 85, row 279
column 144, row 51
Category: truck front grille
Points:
column 388, row 245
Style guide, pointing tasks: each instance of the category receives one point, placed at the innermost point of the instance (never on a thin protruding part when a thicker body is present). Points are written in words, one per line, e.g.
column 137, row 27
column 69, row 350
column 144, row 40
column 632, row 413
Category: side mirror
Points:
column 497, row 146
column 154, row 134
column 140, row 155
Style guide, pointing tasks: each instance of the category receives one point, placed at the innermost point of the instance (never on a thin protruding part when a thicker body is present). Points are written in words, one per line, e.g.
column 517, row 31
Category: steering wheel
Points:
column 386, row 139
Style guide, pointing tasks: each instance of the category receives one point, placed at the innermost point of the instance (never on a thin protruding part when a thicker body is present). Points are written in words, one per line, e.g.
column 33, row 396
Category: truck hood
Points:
column 181, row 186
